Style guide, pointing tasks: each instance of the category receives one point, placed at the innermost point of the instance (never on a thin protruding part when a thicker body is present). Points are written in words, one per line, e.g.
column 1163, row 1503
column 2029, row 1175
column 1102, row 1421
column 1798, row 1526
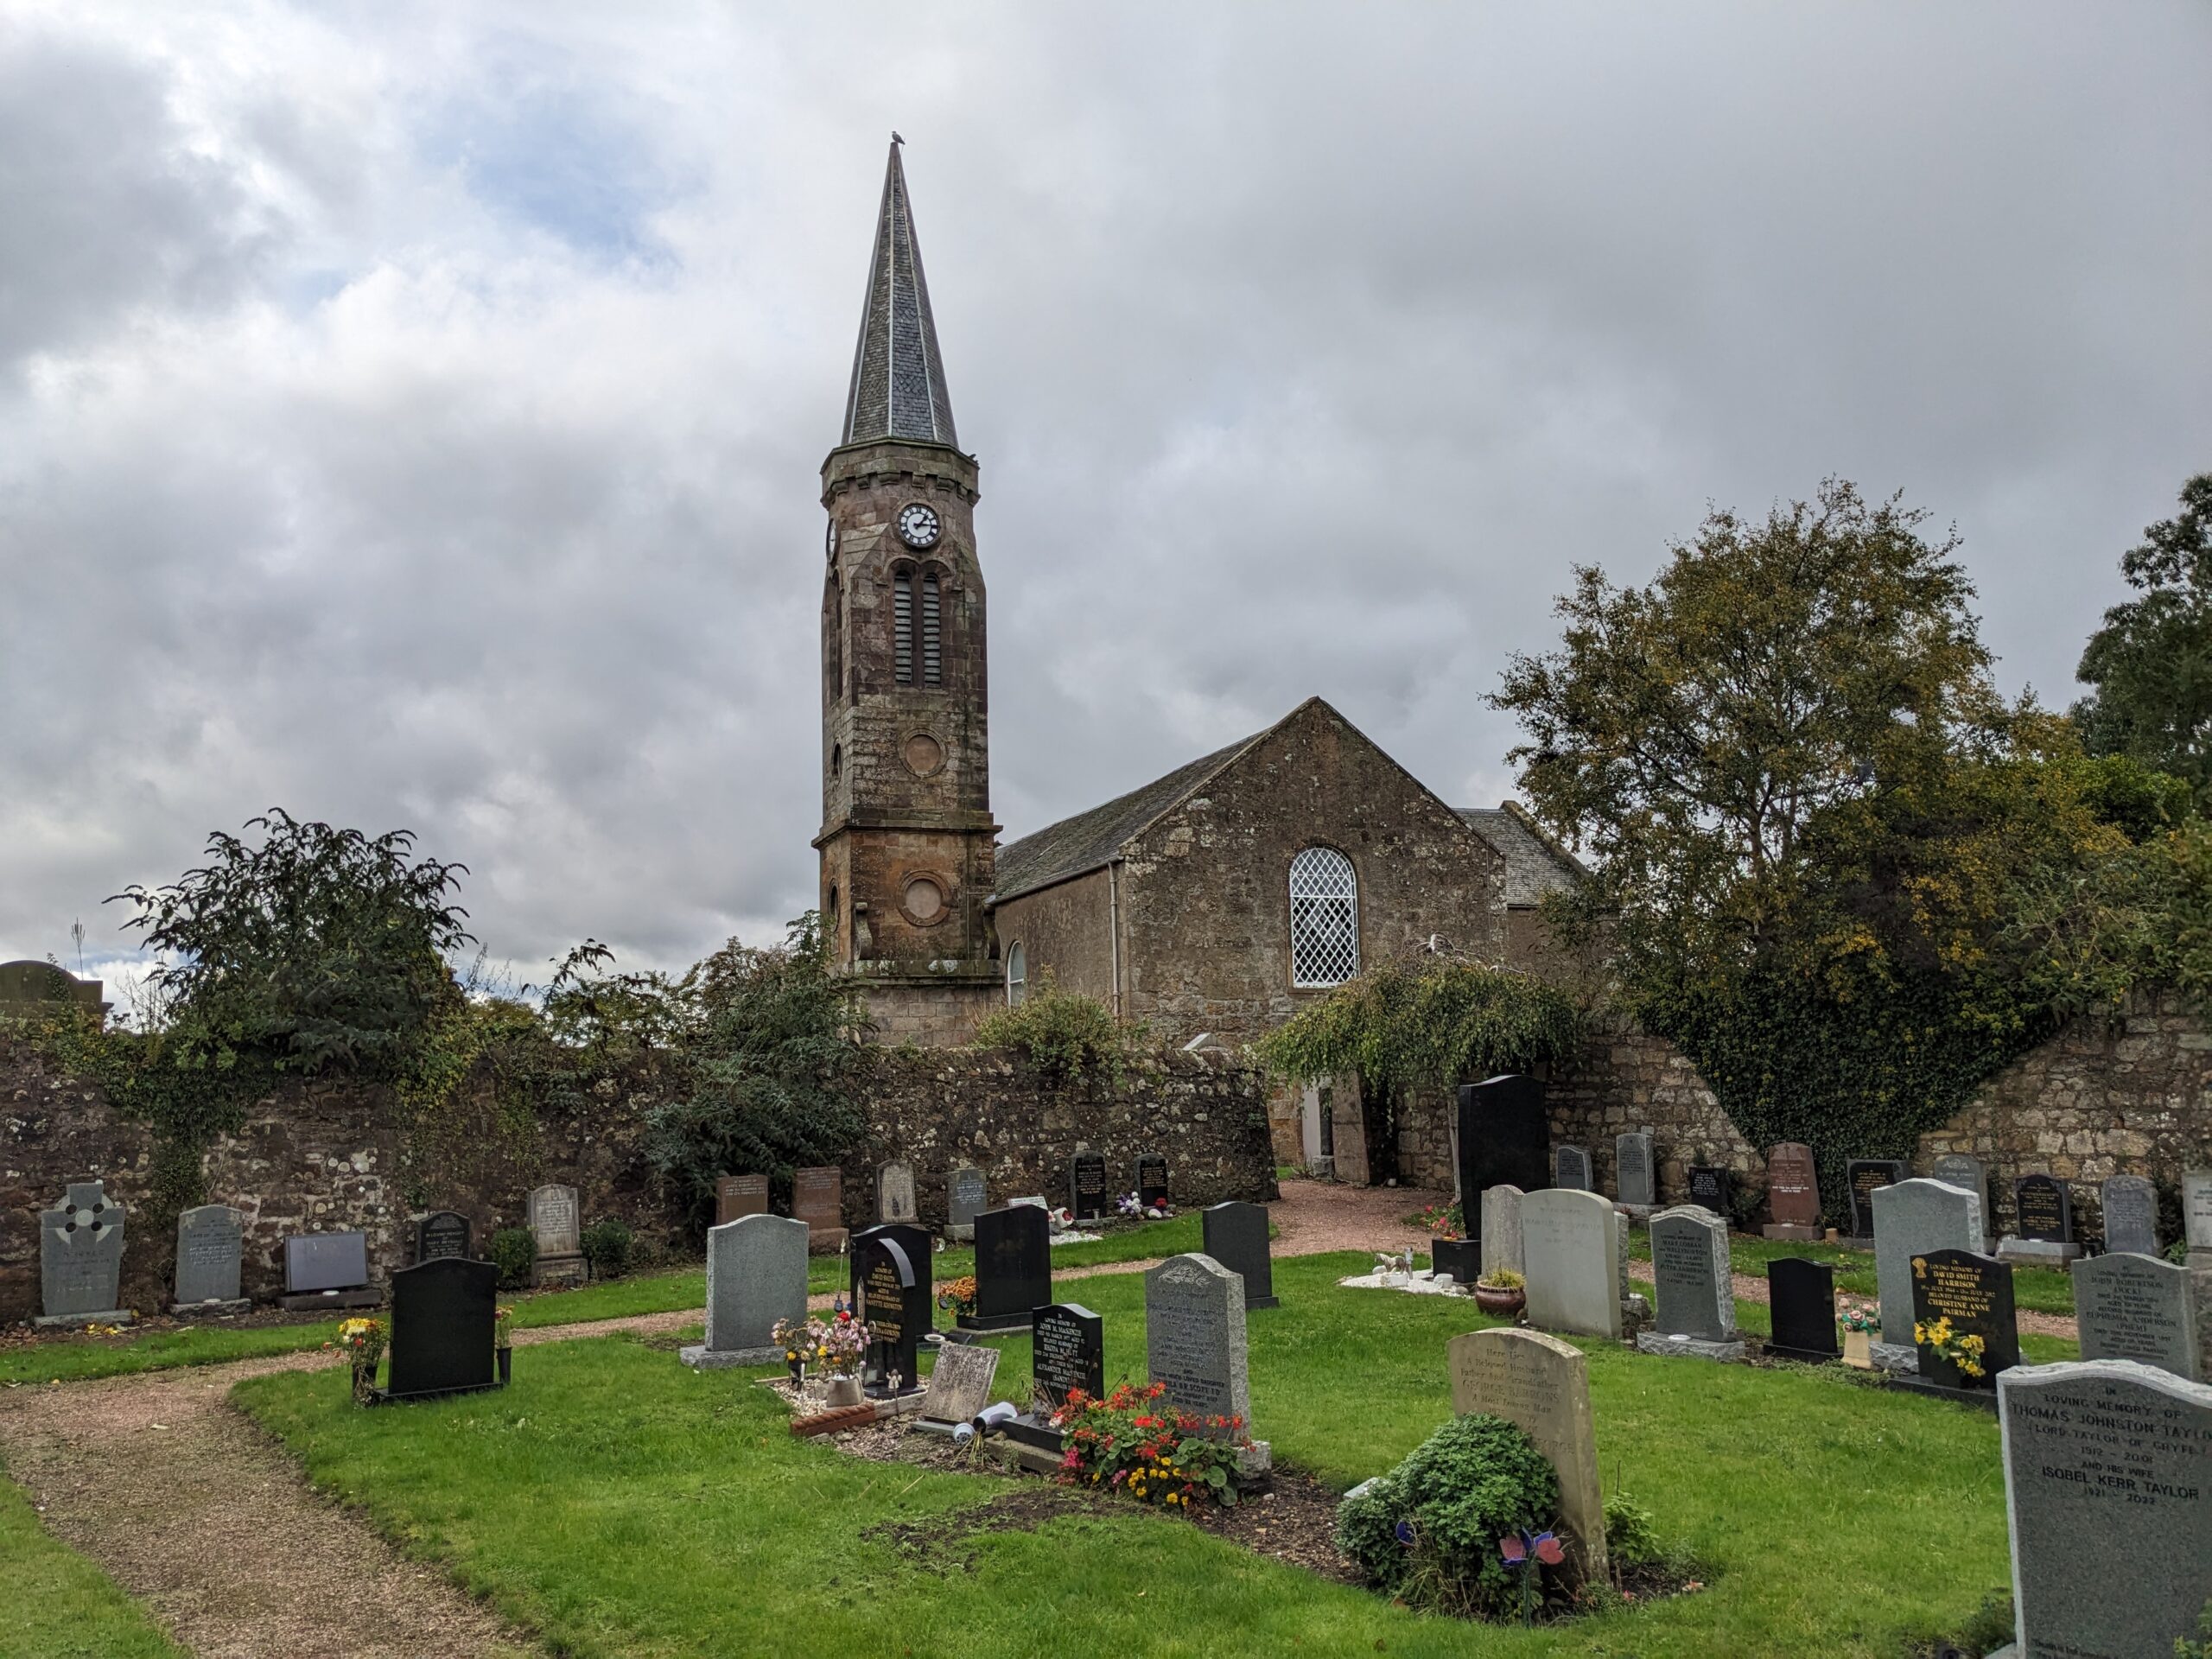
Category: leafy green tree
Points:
column 2151, row 663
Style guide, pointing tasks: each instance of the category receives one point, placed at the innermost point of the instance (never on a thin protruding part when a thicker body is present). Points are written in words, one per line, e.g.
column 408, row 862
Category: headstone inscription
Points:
column 444, row 1317
column 1152, row 1180
column 1067, row 1349
column 1866, row 1177
column 1570, row 1247
column 1013, row 1268
column 894, row 1192
column 1913, row 1217
column 80, row 1258
column 443, row 1235
column 210, row 1250
column 1695, row 1286
column 1800, row 1300
column 2043, row 1207
column 2108, row 1499
column 960, row 1382
column 739, row 1195
column 326, row 1270
column 2129, row 1306
column 1235, row 1234
column 1501, row 1234
column 1712, row 1188
column 1963, row 1169
column 2131, row 1212
column 1504, row 1136
column 1087, row 1186
column 1541, row 1386
column 2196, row 1214
column 756, row 1274
column 914, row 1241
column 1571, row 1168
column 967, row 1195
column 557, row 1220
column 1973, row 1293
column 891, row 1298
column 1793, row 1193
column 1633, row 1169
column 818, row 1199
column 1194, row 1339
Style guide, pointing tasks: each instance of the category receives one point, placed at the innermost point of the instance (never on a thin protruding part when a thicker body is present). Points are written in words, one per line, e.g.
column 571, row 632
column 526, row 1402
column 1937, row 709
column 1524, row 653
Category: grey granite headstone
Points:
column 1695, row 1286
column 894, row 1192
column 756, row 1274
column 1959, row 1169
column 1571, row 1168
column 2196, row 1211
column 2131, row 1207
column 1912, row 1218
column 557, row 1221
column 210, row 1248
column 960, row 1382
column 2108, row 1499
column 1633, row 1169
column 1194, row 1337
column 1501, row 1233
column 2137, row 1307
column 80, row 1257
column 967, row 1195
column 317, row 1263
column 1570, row 1251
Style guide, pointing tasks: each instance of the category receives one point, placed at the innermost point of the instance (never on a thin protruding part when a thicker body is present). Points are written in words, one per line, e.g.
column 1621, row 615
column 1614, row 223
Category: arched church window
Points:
column 902, row 628
column 932, row 651
column 1017, row 975
column 1324, row 918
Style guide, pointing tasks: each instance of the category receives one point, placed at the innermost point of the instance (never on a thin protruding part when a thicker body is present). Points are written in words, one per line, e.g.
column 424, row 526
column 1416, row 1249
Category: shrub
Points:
column 514, row 1252
column 607, row 1244
column 1630, row 1538
column 1066, row 1035
column 1427, row 1531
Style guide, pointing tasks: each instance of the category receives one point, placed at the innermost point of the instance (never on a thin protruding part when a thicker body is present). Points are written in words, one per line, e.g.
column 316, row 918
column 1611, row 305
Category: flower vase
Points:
column 365, row 1385
column 842, row 1391
column 1501, row 1304
column 1858, row 1349
column 506, row 1365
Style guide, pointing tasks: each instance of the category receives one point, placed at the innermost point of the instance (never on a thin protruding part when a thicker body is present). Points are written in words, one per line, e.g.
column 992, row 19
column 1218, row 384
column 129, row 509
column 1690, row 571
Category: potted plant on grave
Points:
column 1501, row 1292
column 958, row 1295
column 843, row 1347
column 1859, row 1321
column 362, row 1341
column 503, row 1342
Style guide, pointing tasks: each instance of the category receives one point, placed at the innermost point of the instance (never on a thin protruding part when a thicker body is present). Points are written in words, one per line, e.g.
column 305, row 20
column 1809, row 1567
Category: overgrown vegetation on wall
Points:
column 1067, row 1036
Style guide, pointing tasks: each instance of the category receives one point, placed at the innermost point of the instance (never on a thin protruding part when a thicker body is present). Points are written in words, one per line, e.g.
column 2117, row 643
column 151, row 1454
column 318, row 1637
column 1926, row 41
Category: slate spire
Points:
column 897, row 388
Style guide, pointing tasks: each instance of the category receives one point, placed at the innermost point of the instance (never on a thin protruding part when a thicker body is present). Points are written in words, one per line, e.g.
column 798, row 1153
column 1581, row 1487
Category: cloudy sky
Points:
column 411, row 414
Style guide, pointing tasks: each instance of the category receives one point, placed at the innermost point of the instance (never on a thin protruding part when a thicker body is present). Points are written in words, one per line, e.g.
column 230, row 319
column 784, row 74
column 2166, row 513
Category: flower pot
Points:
column 1502, row 1303
column 506, row 1366
column 844, row 1391
column 1858, row 1349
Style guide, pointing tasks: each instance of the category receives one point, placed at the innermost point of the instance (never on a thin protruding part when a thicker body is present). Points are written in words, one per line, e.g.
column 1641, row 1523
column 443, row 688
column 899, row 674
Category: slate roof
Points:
column 897, row 388
column 1534, row 864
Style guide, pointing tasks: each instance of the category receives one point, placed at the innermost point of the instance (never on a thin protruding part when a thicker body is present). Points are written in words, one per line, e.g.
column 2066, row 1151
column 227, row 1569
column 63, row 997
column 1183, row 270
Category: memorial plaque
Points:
column 1912, row 1218
column 320, row 1262
column 1694, row 1284
column 444, row 1236
column 2108, row 1498
column 893, row 1299
column 1235, row 1234
column 1087, row 1197
column 1571, row 1249
column 756, row 1276
column 1013, row 1268
column 1152, row 1181
column 2196, row 1211
column 1866, row 1177
column 960, row 1382
column 1793, row 1193
column 818, row 1199
column 2137, row 1307
column 894, row 1192
column 1501, row 1234
column 444, row 1325
column 1632, row 1167
column 210, row 1249
column 1505, row 1137
column 2131, row 1210
column 1974, row 1293
column 2044, row 1209
column 1194, row 1337
column 1571, row 1169
column 739, row 1195
column 1712, row 1188
column 967, row 1195
column 1800, row 1301
column 1067, row 1349
column 80, row 1254
column 1541, row 1386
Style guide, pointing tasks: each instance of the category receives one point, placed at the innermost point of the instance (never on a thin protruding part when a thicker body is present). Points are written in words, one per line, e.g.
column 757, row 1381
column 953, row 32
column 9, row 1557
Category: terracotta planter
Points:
column 844, row 1391
column 1502, row 1303
column 1858, row 1349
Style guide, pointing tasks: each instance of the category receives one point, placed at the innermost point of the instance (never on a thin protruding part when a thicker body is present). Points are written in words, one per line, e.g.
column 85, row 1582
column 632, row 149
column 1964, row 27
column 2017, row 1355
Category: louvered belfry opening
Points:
column 932, row 647
column 902, row 627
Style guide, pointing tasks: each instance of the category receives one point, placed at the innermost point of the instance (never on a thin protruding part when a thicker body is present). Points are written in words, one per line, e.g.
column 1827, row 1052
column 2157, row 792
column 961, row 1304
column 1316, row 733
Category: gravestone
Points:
column 1712, row 1188
column 210, row 1249
column 31, row 988
column 1695, row 1288
column 894, row 1193
column 2131, row 1212
column 1793, row 1193
column 1462, row 1258
column 1504, row 1136
column 2108, row 1499
column 1501, row 1234
column 739, row 1195
column 2196, row 1214
column 1087, row 1186
column 1013, row 1268
column 326, row 1270
column 443, row 1329
column 557, row 1221
column 967, row 1195
column 1801, row 1303
column 1974, row 1293
column 891, row 1298
column 2043, row 1208
column 756, row 1275
column 1570, row 1252
column 1194, row 1339
column 80, row 1258
column 960, row 1382
column 818, row 1199
column 1152, row 1180
column 1913, row 1217
column 442, row 1235
column 2129, row 1306
column 1067, row 1349
column 1962, row 1169
column 1866, row 1177
column 1633, row 1169
column 1571, row 1169
column 914, row 1240
column 1541, row 1386
column 1235, row 1234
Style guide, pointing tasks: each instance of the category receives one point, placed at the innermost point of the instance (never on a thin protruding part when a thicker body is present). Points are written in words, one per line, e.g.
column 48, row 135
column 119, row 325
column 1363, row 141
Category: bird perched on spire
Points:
column 895, row 138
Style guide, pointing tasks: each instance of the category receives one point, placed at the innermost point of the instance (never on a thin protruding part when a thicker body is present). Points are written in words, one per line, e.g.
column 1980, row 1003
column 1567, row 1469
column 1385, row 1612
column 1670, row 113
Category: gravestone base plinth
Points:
column 704, row 1358
column 1802, row 1355
column 310, row 1301
column 2037, row 1252
column 1791, row 1234
column 1651, row 1342
column 993, row 1323
column 1031, row 1430
column 215, row 1309
column 111, row 1316
column 1899, row 1358
column 558, row 1270
column 1256, row 1459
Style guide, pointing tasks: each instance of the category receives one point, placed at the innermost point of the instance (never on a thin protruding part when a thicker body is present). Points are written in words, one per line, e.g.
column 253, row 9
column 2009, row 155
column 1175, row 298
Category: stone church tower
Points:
column 908, row 839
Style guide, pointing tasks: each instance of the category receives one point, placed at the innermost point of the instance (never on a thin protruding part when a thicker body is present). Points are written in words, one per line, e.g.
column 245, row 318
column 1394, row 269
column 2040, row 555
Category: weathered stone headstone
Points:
column 2131, row 1212
column 1570, row 1249
column 1013, row 1268
column 1801, row 1304
column 1633, row 1169
column 326, row 1270
column 756, row 1275
column 892, row 1293
column 1963, row 1169
column 1793, row 1193
column 1067, row 1349
column 894, row 1192
column 1152, row 1180
column 80, row 1258
column 1695, row 1286
column 1501, row 1234
column 2129, row 1306
column 1235, row 1234
column 1911, row 1218
column 1571, row 1169
column 739, row 1195
column 818, row 1199
column 443, row 1320
column 1087, row 1186
column 1194, row 1338
column 2196, row 1214
column 2108, row 1498
column 210, row 1250
column 442, row 1235
column 2043, row 1209
column 1866, row 1177
column 1974, row 1293
column 1712, row 1188
column 1541, row 1386
column 1504, row 1137
column 960, row 1382
column 557, row 1221
column 967, row 1195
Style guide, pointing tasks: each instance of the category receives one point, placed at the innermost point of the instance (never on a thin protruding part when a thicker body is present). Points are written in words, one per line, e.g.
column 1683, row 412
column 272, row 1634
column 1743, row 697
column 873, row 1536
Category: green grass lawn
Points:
column 58, row 1604
column 620, row 1504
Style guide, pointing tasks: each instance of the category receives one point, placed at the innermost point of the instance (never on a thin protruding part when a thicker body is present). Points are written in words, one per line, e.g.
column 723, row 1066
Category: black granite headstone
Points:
column 1067, row 1350
column 1460, row 1257
column 1087, row 1186
column 1863, row 1175
column 1505, row 1140
column 1974, row 1293
column 442, row 1328
column 1236, row 1237
column 1713, row 1188
column 1801, row 1298
column 891, row 1298
column 1152, row 1180
column 442, row 1234
column 1013, row 1268
column 2045, row 1209
column 914, row 1238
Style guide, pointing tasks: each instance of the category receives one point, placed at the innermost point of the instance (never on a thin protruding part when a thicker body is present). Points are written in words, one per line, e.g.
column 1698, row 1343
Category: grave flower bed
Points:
column 1134, row 1443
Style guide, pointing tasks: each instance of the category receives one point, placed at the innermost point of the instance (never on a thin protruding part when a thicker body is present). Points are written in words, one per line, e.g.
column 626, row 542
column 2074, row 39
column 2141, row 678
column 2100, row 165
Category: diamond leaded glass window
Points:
column 1324, row 918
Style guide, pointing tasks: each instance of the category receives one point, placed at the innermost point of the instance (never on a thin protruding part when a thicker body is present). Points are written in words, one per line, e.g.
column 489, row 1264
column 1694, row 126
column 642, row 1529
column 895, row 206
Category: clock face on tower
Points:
column 917, row 525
